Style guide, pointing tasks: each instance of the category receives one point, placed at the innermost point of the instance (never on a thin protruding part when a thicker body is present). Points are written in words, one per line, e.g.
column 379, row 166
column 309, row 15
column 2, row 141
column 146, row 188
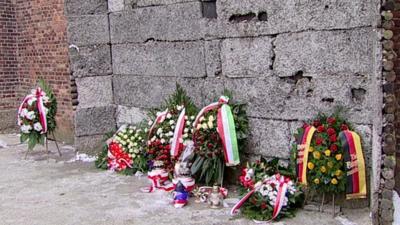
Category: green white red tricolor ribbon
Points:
column 38, row 94
column 178, row 132
column 225, row 127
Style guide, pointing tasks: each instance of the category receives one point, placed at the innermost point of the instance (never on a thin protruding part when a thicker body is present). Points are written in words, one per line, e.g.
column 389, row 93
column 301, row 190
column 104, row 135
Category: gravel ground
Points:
column 60, row 190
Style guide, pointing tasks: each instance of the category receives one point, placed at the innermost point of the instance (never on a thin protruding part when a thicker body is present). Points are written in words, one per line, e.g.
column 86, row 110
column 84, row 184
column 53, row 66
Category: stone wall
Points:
column 287, row 59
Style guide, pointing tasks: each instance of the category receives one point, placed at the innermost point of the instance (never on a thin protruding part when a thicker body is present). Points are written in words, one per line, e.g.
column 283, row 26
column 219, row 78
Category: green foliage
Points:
column 51, row 114
column 101, row 161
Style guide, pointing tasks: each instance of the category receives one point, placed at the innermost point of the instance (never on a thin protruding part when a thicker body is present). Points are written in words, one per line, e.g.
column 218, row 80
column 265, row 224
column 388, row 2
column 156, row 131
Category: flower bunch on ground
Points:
column 132, row 140
column 33, row 128
column 265, row 177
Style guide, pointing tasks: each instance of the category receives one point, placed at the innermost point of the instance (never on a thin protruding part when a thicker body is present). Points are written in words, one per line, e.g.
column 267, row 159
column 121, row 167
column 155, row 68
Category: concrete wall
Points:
column 287, row 59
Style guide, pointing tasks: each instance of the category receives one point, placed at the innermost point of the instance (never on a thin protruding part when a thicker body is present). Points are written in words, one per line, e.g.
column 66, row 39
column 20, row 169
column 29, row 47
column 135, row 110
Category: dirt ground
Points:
column 61, row 190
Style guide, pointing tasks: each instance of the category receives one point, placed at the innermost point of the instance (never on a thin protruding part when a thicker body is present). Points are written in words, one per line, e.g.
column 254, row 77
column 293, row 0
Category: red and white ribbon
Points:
column 158, row 179
column 282, row 189
column 159, row 119
column 178, row 133
column 188, row 183
column 39, row 93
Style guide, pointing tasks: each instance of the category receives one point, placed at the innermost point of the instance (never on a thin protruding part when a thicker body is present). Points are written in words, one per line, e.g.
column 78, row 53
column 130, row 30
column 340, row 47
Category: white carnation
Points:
column 30, row 115
column 187, row 123
column 37, row 126
column 169, row 115
column 186, row 130
column 210, row 124
column 192, row 118
column 159, row 131
column 45, row 99
column 26, row 128
column 162, row 141
column 204, row 126
column 23, row 112
column 136, row 151
column 171, row 122
column 186, row 118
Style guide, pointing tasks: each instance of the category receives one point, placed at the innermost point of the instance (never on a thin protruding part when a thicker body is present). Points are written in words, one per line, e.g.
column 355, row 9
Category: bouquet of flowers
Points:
column 36, row 115
column 170, row 130
column 268, row 196
column 127, row 150
column 220, row 133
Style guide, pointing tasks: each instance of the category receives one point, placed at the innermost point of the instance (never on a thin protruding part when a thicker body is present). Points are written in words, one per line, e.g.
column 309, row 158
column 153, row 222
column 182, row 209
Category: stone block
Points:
column 254, row 17
column 365, row 133
column 182, row 59
column 326, row 52
column 212, row 89
column 90, row 60
column 170, row 22
column 142, row 3
column 213, row 58
column 246, row 57
column 150, row 92
column 269, row 138
column 87, row 7
column 116, row 5
column 93, row 121
column 8, row 122
column 90, row 145
column 281, row 98
column 94, row 91
column 88, row 30
column 129, row 115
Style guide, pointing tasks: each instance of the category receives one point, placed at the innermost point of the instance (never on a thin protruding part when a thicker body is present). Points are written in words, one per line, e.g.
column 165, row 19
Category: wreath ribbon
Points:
column 225, row 127
column 178, row 132
column 39, row 93
column 355, row 165
column 159, row 119
column 282, row 189
column 116, row 162
column 303, row 143
column 157, row 179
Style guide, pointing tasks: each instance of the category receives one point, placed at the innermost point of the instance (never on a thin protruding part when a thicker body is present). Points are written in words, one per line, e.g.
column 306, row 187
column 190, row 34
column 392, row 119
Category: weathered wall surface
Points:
column 8, row 65
column 287, row 59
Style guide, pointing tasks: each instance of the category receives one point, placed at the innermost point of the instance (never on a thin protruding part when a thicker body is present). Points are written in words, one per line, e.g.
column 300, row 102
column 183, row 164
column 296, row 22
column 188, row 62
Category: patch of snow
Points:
column 83, row 158
column 138, row 174
column 344, row 221
column 68, row 147
column 396, row 203
column 3, row 144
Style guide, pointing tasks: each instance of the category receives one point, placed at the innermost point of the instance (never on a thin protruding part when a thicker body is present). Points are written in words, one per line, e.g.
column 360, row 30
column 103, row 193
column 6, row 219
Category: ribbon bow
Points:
column 38, row 94
column 225, row 127
column 282, row 189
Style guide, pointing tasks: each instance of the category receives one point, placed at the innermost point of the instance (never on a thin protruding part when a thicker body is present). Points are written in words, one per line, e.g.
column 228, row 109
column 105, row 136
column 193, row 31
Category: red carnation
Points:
column 209, row 145
column 331, row 120
column 333, row 147
column 316, row 123
column 333, row 138
column 263, row 205
column 319, row 141
column 344, row 127
column 331, row 131
column 320, row 128
column 305, row 125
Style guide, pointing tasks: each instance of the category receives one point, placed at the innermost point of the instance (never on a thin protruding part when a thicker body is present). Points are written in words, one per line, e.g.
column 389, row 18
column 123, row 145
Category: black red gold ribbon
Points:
column 303, row 144
column 355, row 165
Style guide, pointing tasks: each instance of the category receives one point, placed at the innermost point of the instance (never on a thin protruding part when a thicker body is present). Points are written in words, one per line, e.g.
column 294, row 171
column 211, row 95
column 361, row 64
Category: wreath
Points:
column 36, row 115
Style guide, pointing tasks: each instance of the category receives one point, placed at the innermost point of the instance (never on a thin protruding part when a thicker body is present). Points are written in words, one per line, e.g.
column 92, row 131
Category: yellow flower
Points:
column 316, row 181
column 317, row 155
column 338, row 157
column 310, row 165
column 330, row 164
column 310, row 149
column 338, row 173
column 327, row 152
column 323, row 169
column 334, row 181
